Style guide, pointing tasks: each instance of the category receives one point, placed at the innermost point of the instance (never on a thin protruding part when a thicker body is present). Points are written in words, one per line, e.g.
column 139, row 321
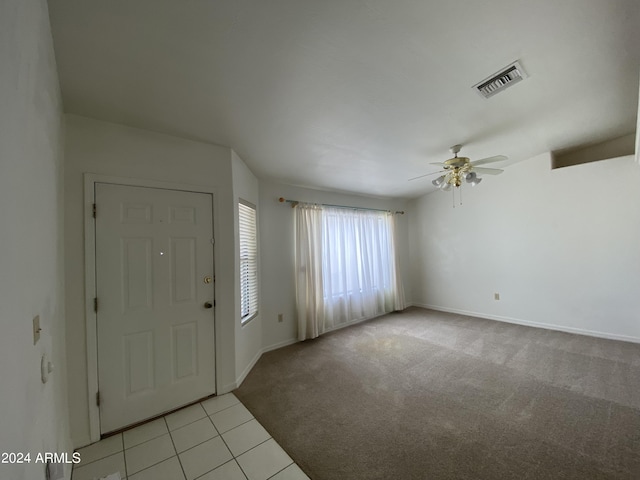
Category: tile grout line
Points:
column 124, row 457
column 84, row 464
column 225, row 408
column 176, row 412
column 187, row 424
column 279, row 471
column 148, row 440
column 74, row 470
column 175, row 449
column 218, row 435
column 232, row 460
column 214, row 426
column 199, row 420
column 233, row 457
column 157, row 463
column 256, row 446
column 222, row 438
column 197, row 444
column 225, row 444
column 240, row 467
column 239, row 425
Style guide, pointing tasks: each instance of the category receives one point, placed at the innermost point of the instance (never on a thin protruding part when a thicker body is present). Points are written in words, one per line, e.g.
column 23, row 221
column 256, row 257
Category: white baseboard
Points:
column 252, row 363
column 248, row 368
column 83, row 441
column 232, row 386
column 228, row 388
column 278, row 345
column 529, row 323
column 353, row 322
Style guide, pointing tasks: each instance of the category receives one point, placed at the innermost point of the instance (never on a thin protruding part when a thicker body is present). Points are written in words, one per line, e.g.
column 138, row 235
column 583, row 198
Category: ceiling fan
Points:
column 458, row 168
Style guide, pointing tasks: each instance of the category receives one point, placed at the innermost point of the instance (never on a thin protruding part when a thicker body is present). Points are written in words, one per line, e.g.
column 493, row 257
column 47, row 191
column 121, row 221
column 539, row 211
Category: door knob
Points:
column 208, row 305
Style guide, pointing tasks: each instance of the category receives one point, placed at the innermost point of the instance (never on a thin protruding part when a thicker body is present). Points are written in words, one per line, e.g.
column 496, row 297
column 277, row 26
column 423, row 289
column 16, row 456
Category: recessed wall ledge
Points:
column 614, row 148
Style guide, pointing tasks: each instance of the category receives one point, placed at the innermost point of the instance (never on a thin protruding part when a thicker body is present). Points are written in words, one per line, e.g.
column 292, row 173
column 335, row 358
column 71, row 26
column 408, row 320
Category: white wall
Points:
column 277, row 230
column 248, row 336
column 561, row 247
column 34, row 417
column 638, row 132
column 108, row 149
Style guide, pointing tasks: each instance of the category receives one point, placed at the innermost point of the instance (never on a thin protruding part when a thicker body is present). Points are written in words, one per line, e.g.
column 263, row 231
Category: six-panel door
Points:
column 154, row 265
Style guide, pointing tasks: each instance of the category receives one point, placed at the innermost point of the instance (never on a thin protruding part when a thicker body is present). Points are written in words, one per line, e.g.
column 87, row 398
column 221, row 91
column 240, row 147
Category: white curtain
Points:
column 396, row 277
column 308, row 264
column 347, row 267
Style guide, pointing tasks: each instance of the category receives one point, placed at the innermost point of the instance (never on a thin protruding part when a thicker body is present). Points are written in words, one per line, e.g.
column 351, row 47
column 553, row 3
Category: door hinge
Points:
column 95, row 304
column 98, row 398
column 94, row 210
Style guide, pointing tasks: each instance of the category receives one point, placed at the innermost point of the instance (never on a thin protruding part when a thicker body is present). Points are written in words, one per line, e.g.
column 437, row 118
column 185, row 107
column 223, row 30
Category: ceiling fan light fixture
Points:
column 472, row 178
column 458, row 170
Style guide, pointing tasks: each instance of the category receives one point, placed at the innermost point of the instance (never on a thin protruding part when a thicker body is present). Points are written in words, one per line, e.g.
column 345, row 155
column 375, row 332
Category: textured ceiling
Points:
column 352, row 95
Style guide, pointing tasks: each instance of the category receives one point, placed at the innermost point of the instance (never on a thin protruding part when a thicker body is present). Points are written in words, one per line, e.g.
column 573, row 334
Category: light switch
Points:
column 36, row 329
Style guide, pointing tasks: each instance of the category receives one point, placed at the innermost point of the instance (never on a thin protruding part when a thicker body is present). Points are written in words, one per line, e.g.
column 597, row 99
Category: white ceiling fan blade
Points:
column 487, row 171
column 483, row 161
column 441, row 165
column 425, row 175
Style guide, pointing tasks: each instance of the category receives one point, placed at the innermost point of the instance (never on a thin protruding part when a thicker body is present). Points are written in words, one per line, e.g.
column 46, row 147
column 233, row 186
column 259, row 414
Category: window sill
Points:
column 245, row 321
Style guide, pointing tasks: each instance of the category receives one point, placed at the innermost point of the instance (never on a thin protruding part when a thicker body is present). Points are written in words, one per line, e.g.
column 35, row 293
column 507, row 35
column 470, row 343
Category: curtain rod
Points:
column 296, row 202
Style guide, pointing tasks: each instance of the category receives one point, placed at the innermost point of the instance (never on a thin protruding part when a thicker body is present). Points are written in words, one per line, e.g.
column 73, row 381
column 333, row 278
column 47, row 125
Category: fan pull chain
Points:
column 460, row 196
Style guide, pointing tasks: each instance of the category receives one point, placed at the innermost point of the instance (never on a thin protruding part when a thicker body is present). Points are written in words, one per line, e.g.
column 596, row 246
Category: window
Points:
column 346, row 267
column 357, row 253
column 357, row 264
column 248, row 261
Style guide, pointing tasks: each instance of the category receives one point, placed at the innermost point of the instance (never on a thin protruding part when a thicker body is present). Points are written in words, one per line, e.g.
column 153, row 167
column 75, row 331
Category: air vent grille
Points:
column 500, row 81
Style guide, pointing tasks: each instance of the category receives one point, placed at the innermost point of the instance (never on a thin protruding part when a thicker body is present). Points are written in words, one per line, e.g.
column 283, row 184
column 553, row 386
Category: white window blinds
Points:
column 248, row 262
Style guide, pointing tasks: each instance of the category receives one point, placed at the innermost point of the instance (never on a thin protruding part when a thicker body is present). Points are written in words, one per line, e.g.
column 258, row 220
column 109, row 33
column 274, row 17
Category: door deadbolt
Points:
column 207, row 279
column 208, row 305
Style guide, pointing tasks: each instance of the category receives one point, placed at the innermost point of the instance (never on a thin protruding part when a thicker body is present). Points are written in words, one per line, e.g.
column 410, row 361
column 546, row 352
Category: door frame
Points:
column 90, row 292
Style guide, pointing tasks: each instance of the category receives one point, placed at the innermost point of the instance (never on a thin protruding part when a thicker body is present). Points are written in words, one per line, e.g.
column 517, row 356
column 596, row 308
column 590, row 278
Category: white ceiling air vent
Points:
column 500, row 81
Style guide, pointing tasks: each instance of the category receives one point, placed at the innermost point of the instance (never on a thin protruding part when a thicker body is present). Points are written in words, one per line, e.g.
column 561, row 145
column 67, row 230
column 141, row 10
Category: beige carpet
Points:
column 430, row 395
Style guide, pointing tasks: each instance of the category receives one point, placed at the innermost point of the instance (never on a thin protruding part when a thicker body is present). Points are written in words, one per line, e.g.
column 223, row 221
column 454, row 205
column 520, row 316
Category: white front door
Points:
column 154, row 281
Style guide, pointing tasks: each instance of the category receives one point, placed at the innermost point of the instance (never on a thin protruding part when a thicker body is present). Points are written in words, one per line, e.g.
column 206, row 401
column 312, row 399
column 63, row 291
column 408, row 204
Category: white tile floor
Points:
column 217, row 439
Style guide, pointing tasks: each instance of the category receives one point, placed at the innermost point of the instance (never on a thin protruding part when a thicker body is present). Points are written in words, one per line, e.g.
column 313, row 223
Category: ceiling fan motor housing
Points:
column 456, row 162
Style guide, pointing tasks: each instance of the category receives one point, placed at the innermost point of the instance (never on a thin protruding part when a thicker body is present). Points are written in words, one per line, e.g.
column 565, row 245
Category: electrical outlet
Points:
column 280, row 318
column 36, row 329
column 496, row 296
